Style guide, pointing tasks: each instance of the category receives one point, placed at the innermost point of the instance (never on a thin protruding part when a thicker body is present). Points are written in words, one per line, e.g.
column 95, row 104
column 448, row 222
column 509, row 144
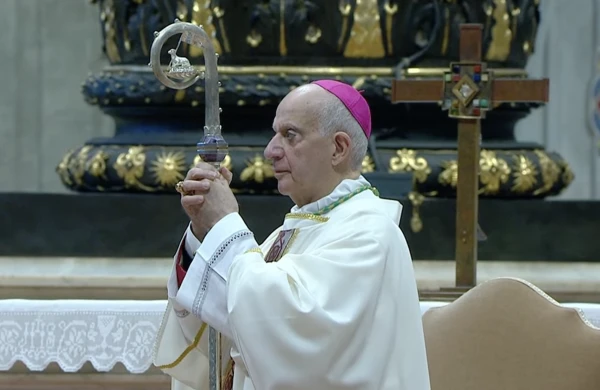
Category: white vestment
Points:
column 338, row 310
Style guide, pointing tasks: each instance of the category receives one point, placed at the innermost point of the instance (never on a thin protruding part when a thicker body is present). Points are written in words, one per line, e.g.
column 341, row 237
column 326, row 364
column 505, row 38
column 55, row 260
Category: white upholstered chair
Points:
column 506, row 334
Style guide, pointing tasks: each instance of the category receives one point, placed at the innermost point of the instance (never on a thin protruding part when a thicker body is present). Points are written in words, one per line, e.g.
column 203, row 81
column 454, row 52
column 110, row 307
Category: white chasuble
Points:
column 328, row 301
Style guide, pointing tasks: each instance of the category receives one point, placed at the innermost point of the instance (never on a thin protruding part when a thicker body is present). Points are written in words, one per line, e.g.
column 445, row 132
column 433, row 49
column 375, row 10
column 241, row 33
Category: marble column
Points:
column 48, row 48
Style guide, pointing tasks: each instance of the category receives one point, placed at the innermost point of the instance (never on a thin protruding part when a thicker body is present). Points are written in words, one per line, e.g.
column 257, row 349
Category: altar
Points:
column 98, row 343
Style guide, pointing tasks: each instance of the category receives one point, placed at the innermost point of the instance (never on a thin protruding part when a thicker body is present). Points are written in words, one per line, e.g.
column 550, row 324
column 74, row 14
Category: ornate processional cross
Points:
column 468, row 91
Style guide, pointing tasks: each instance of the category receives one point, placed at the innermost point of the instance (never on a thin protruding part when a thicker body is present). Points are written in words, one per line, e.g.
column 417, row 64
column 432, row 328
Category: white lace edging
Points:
column 72, row 333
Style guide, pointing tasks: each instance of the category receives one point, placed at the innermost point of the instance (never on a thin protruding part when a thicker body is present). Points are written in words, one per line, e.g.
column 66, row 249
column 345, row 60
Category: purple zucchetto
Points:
column 352, row 99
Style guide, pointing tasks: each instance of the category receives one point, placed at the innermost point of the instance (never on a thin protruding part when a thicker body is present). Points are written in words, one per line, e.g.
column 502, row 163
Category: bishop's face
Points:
column 301, row 155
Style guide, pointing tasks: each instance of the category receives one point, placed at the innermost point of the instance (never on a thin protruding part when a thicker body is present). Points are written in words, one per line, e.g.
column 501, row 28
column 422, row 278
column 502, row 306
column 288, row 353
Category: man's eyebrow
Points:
column 291, row 126
column 286, row 126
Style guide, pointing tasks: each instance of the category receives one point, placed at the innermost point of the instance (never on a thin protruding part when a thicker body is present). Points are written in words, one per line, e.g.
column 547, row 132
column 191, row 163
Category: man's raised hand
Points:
column 208, row 197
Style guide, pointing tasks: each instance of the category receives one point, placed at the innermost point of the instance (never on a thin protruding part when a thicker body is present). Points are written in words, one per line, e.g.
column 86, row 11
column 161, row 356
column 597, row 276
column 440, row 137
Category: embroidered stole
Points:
column 279, row 248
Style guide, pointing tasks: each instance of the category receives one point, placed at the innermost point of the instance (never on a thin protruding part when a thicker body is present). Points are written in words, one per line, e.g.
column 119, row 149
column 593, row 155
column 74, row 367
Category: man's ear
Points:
column 342, row 143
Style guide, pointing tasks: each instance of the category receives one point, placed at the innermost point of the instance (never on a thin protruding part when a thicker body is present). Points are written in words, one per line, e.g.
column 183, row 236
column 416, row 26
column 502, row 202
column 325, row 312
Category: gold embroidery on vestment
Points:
column 312, row 217
column 187, row 350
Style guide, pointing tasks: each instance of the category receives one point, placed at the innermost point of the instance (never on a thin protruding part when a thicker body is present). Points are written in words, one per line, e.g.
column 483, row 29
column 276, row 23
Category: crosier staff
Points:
column 212, row 148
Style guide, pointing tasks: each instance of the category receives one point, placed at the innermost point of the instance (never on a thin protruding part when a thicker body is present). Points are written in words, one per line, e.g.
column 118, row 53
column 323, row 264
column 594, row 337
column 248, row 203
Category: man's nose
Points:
column 273, row 150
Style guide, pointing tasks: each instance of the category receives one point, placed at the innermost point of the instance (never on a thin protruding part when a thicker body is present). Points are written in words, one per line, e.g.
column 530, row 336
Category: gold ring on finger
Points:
column 179, row 188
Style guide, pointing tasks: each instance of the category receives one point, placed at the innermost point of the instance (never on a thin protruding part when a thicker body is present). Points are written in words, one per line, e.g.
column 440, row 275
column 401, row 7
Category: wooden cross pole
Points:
column 467, row 91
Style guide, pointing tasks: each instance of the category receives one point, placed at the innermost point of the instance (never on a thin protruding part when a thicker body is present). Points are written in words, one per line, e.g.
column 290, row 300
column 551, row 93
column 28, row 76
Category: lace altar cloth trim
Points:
column 73, row 332
column 104, row 333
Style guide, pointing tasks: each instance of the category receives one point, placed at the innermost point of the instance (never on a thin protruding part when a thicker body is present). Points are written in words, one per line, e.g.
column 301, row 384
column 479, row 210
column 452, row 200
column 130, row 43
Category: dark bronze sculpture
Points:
column 267, row 48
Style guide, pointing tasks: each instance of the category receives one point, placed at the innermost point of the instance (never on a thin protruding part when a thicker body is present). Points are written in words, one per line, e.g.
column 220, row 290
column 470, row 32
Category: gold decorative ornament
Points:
column 499, row 48
column 529, row 46
column 336, row 71
column 182, row 10
column 416, row 199
column 77, row 166
column 282, row 35
column 567, row 174
column 219, row 14
column 108, row 17
column 63, row 168
column 257, row 170
column 524, row 173
column 313, row 34
column 368, row 165
column 202, row 16
column 180, row 95
column 406, row 160
column 168, row 168
column 254, row 38
column 130, row 167
column 550, row 172
column 359, row 82
column 449, row 175
column 494, row 172
column 366, row 40
column 345, row 8
column 390, row 11
column 516, row 11
column 97, row 165
column 446, row 36
column 101, row 166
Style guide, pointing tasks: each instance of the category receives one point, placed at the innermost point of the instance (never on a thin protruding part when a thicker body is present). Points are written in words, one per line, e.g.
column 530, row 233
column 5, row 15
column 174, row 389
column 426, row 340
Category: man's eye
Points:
column 290, row 134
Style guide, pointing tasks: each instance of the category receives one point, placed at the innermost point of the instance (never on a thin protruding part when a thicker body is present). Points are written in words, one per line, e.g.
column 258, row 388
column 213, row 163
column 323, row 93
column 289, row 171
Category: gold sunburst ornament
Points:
column 257, row 170
column 168, row 168
column 525, row 174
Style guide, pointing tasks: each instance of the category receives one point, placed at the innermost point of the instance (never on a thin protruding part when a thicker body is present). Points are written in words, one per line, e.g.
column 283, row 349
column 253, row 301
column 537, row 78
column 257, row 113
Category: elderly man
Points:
column 329, row 300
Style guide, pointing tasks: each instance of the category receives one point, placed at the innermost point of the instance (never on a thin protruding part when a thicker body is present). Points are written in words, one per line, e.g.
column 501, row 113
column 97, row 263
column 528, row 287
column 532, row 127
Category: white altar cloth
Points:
column 104, row 333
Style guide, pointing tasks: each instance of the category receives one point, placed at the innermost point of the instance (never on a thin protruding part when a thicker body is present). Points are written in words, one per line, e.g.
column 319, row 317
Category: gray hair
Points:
column 333, row 117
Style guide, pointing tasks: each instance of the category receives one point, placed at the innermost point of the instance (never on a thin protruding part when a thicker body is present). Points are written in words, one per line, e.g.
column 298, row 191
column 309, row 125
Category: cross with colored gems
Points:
column 468, row 90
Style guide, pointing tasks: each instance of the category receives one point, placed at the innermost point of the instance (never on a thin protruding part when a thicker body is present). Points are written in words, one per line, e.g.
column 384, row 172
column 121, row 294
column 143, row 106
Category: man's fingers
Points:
column 226, row 174
column 192, row 200
column 194, row 186
column 202, row 173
